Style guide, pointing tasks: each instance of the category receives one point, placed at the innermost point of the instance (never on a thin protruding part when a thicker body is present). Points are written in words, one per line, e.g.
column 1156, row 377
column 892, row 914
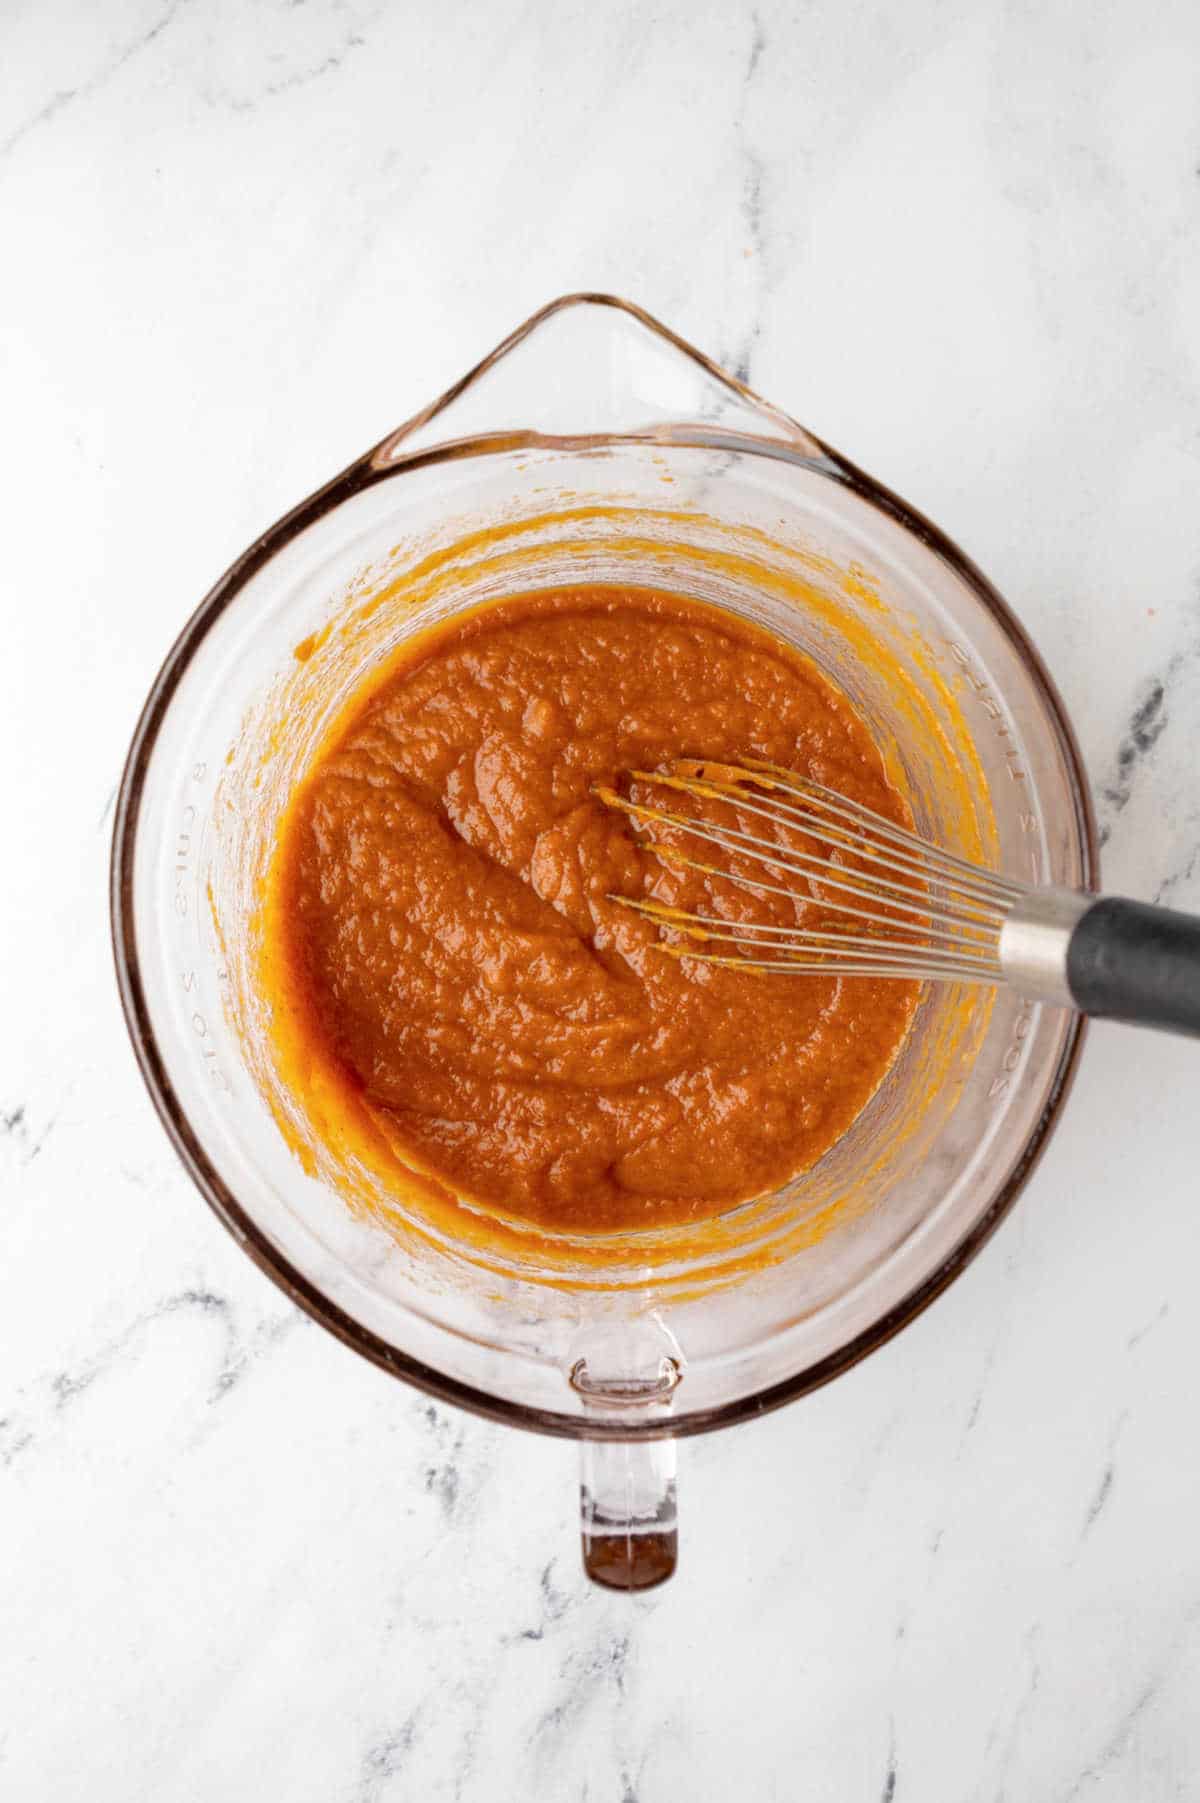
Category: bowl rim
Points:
column 379, row 464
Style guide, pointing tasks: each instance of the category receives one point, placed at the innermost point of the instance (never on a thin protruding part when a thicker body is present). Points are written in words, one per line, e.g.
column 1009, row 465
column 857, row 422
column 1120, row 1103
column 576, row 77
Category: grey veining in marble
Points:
column 961, row 242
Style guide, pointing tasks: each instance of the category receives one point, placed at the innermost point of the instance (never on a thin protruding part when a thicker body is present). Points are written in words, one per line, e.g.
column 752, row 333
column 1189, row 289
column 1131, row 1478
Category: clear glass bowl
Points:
column 595, row 446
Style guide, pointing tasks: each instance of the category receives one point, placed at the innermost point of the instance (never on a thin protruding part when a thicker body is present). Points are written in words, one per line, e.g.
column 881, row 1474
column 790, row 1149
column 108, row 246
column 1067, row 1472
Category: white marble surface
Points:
column 239, row 243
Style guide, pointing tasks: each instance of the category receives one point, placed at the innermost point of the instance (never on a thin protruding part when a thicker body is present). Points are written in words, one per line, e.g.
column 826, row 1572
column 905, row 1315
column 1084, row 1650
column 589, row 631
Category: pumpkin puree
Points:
column 444, row 931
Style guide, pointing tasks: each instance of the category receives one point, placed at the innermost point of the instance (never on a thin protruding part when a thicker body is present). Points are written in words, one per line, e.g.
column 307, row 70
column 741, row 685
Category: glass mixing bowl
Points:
column 595, row 446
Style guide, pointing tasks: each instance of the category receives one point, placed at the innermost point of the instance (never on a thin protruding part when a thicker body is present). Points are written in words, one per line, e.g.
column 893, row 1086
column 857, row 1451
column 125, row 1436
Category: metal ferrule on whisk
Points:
column 1034, row 942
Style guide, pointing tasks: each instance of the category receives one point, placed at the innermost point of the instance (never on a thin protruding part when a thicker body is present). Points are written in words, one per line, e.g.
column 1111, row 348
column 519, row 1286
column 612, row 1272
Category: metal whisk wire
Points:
column 922, row 912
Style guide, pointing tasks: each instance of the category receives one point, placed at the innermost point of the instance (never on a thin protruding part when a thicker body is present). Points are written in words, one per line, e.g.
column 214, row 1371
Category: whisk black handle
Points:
column 1129, row 961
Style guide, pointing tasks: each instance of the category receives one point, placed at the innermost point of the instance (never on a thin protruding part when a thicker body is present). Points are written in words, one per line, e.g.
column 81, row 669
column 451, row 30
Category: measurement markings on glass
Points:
column 186, row 842
column 1013, row 1056
column 991, row 706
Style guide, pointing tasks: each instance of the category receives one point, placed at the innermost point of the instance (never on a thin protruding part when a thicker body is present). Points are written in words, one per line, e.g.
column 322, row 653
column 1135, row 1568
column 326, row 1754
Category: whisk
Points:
column 892, row 904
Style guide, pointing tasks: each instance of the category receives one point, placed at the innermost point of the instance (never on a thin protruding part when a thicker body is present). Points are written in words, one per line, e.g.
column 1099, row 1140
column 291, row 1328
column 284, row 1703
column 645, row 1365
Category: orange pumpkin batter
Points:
column 444, row 934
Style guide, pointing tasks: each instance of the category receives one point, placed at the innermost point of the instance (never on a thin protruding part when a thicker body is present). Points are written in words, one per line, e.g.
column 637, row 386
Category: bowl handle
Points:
column 627, row 1514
